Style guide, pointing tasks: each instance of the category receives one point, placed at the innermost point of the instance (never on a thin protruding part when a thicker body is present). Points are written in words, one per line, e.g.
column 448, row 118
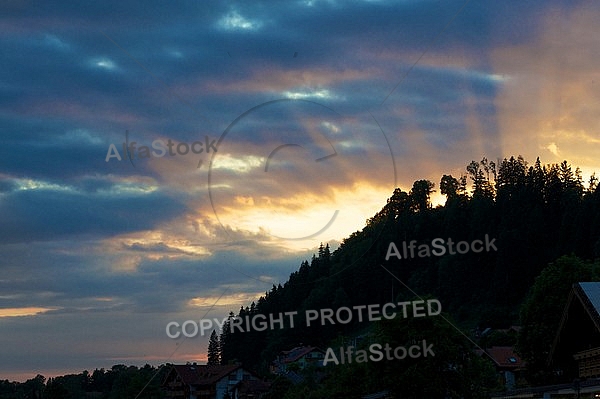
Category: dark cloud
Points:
column 118, row 250
column 44, row 214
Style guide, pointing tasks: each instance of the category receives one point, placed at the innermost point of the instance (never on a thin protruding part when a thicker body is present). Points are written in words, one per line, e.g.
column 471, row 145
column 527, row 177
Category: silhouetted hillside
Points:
column 533, row 213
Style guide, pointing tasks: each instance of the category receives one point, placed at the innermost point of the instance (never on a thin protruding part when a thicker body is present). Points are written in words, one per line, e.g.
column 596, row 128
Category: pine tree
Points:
column 226, row 341
column 214, row 350
column 420, row 194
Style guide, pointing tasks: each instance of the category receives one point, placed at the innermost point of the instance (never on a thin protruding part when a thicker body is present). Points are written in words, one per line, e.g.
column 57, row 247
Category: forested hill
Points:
column 536, row 213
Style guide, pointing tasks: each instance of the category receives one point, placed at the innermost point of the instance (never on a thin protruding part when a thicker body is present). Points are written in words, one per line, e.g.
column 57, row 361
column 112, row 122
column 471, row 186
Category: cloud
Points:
column 21, row 312
column 550, row 101
column 296, row 94
column 38, row 211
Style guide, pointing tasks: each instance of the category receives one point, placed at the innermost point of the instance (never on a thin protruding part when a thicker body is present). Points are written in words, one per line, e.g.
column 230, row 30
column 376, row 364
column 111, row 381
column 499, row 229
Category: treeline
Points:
column 117, row 383
column 546, row 222
column 536, row 213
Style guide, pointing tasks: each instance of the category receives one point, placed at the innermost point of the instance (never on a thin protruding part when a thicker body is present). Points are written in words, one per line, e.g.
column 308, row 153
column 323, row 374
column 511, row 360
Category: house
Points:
column 507, row 363
column 298, row 358
column 192, row 381
column 575, row 352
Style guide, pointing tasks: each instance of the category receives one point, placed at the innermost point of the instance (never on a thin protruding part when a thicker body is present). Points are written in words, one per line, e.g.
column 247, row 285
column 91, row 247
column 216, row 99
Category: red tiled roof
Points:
column 297, row 353
column 203, row 374
column 505, row 356
column 187, row 373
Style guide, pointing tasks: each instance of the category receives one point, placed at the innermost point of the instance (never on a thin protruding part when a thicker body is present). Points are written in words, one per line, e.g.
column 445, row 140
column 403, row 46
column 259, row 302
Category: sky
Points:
column 255, row 131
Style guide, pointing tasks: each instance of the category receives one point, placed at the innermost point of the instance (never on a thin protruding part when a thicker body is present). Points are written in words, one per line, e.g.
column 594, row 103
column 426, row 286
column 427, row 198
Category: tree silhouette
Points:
column 214, row 349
